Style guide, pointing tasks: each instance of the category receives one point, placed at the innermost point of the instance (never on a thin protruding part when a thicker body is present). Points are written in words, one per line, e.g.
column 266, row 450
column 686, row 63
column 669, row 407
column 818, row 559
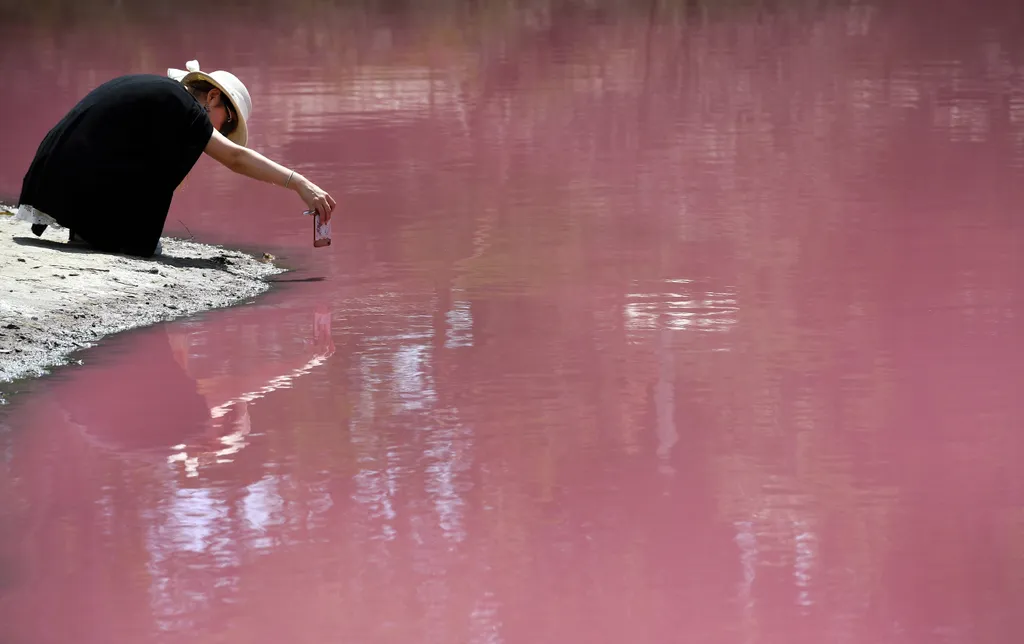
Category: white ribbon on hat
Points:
column 178, row 74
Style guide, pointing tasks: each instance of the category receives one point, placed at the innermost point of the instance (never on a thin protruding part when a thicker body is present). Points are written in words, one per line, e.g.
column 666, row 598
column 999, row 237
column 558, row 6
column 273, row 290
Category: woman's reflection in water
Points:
column 165, row 409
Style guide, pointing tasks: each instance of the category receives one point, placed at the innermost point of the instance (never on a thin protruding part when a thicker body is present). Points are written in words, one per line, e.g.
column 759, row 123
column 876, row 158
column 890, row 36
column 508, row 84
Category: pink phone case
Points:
column 321, row 232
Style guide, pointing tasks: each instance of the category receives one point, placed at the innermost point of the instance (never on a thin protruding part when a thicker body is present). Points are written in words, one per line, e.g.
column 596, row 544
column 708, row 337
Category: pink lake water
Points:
column 688, row 323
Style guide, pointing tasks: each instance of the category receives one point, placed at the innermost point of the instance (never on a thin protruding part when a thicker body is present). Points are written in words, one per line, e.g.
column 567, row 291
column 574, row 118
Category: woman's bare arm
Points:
column 256, row 166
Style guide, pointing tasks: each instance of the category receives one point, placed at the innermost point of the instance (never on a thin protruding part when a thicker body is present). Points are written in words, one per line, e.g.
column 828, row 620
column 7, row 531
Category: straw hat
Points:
column 230, row 87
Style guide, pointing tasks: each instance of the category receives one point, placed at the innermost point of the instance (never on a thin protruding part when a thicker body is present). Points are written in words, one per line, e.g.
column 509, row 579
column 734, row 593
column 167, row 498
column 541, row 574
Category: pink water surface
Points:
column 689, row 323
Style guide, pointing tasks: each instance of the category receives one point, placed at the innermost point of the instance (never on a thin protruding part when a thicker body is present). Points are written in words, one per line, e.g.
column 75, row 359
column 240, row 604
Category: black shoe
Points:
column 38, row 229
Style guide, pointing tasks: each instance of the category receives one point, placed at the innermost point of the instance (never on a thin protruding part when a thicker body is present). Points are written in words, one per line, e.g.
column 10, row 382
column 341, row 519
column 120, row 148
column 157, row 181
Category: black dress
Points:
column 109, row 168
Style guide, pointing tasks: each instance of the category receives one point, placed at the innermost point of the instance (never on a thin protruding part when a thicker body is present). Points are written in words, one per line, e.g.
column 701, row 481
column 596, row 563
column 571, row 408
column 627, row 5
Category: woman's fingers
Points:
column 325, row 202
column 321, row 202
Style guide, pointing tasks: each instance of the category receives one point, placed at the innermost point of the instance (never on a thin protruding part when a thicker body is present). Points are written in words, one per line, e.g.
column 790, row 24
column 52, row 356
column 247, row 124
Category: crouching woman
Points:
column 108, row 170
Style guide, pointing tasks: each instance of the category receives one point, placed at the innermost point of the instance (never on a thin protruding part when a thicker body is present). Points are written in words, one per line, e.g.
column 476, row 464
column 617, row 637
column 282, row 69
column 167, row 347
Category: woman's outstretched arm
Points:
column 256, row 166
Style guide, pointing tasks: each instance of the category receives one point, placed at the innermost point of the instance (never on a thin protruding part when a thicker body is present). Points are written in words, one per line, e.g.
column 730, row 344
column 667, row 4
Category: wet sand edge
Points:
column 56, row 298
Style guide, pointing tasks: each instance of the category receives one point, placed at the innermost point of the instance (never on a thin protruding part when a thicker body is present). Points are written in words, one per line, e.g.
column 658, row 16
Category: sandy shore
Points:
column 56, row 298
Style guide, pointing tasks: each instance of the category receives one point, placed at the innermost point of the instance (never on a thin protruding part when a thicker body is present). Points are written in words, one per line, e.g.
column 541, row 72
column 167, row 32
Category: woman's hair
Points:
column 200, row 88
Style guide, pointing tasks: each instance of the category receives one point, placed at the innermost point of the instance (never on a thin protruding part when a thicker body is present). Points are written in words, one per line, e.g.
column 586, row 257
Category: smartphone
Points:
column 321, row 231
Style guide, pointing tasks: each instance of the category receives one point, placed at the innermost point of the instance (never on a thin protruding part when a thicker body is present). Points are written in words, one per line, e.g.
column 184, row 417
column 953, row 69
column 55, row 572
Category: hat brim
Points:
column 240, row 135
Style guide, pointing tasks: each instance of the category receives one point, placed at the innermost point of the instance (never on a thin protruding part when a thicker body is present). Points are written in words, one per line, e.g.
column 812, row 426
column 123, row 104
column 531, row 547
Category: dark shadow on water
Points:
column 222, row 262
column 296, row 279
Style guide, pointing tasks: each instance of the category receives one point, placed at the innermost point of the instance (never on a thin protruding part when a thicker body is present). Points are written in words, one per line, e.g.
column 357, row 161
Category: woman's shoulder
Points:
column 155, row 92
column 151, row 82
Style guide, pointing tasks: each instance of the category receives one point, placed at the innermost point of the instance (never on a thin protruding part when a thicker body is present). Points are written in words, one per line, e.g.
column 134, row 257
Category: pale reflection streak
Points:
column 806, row 546
column 459, row 319
column 263, row 508
column 375, row 482
column 410, row 390
column 672, row 307
column 793, row 541
column 1016, row 109
column 192, row 528
column 190, row 519
column 413, row 387
column 447, row 440
column 450, row 455
column 375, row 491
column 484, row 622
column 746, row 541
column 964, row 121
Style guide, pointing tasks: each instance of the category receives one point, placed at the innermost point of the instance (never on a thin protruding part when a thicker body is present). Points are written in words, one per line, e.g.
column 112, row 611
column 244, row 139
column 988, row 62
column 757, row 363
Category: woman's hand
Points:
column 316, row 198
